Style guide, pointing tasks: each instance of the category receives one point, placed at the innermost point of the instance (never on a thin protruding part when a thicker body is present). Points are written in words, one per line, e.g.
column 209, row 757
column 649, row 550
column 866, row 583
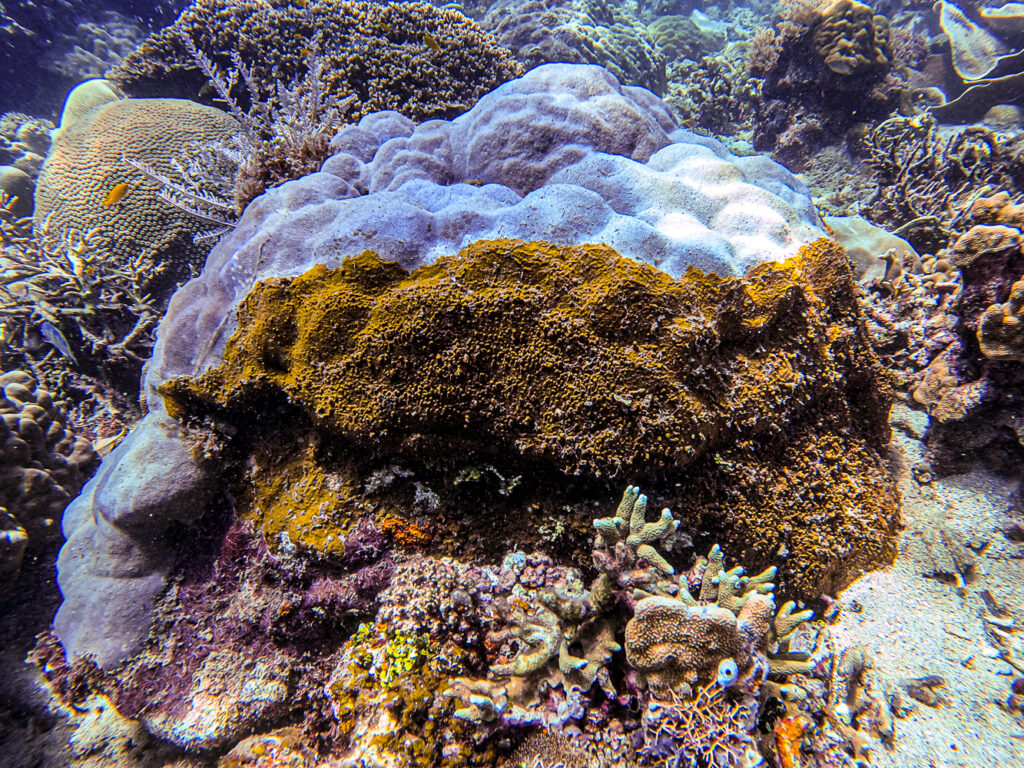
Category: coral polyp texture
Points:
column 428, row 319
column 424, row 61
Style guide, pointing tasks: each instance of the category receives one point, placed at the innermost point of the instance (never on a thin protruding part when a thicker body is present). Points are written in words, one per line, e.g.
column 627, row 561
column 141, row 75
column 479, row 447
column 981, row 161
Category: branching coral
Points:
column 924, row 172
column 678, row 642
column 96, row 45
column 715, row 93
column 541, row 680
column 712, row 728
column 283, row 135
column 70, row 281
column 625, row 553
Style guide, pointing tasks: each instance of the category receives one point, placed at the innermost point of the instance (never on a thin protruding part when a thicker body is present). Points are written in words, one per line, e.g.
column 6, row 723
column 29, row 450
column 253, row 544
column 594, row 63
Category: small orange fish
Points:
column 116, row 193
column 431, row 42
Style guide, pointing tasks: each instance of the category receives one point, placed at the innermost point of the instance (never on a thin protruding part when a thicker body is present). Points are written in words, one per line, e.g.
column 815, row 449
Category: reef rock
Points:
column 970, row 390
column 714, row 339
column 830, row 71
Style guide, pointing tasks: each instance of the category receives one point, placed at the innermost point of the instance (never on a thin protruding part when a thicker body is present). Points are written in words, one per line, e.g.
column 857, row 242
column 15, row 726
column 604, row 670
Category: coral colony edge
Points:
column 512, row 384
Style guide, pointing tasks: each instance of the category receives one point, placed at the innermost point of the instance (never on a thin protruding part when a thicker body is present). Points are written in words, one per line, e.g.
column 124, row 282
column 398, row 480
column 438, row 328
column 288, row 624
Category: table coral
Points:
column 378, row 52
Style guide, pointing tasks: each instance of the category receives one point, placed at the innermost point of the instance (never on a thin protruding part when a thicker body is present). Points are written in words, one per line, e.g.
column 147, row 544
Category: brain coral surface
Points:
column 564, row 154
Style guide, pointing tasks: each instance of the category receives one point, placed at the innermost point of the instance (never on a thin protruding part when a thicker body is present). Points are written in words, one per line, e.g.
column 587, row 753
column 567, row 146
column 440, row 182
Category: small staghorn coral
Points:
column 696, row 665
column 930, row 177
column 70, row 280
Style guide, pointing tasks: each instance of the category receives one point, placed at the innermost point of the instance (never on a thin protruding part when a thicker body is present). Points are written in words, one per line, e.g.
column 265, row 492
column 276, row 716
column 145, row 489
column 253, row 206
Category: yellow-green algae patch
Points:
column 732, row 395
column 382, row 668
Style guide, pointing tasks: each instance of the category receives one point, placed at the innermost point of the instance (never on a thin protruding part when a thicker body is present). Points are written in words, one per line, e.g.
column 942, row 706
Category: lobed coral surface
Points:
column 43, row 465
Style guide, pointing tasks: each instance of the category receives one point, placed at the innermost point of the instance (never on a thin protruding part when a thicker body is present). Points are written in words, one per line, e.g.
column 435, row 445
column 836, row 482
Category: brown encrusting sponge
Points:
column 755, row 401
column 422, row 61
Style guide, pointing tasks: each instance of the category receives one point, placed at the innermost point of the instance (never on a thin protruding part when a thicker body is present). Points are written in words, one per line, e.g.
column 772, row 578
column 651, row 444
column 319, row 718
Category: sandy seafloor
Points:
column 916, row 624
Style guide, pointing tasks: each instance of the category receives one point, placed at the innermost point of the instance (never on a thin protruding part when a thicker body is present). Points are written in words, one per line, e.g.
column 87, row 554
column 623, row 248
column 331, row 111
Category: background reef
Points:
column 470, row 277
